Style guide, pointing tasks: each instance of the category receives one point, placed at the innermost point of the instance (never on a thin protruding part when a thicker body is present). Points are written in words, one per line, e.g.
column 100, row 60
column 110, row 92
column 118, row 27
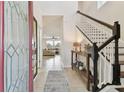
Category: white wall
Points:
column 52, row 26
column 111, row 11
column 67, row 9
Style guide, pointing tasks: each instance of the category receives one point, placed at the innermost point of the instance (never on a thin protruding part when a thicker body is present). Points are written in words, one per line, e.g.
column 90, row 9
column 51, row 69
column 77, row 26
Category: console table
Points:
column 75, row 64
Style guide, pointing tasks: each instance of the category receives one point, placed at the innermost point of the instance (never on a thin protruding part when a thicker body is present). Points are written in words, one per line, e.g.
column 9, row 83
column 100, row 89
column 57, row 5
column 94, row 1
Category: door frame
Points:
column 30, row 15
column 1, row 46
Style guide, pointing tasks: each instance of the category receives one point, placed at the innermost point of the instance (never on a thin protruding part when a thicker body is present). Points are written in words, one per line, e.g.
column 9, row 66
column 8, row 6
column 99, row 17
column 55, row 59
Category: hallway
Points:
column 53, row 46
column 54, row 63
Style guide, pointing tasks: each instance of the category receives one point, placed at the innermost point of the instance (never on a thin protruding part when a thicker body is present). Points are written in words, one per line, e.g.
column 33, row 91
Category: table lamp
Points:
column 77, row 46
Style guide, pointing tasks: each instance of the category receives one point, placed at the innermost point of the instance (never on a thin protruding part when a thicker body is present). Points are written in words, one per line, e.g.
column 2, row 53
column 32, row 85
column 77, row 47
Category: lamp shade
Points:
column 76, row 44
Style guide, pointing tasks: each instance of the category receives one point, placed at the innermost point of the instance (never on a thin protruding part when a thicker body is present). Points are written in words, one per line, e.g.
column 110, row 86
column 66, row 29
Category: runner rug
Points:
column 56, row 82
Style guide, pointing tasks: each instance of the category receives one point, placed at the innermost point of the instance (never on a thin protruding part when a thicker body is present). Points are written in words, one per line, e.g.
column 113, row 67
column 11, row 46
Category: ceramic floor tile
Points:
column 50, row 63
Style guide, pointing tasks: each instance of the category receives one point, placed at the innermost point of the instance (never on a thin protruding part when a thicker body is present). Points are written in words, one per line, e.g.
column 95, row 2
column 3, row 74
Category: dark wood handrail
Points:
column 84, row 34
column 96, row 20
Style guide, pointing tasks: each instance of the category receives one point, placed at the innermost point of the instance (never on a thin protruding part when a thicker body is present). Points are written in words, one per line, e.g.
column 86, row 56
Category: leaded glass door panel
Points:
column 16, row 46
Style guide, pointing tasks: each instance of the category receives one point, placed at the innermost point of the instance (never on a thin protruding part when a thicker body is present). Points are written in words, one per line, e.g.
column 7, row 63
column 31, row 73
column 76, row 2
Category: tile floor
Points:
column 54, row 63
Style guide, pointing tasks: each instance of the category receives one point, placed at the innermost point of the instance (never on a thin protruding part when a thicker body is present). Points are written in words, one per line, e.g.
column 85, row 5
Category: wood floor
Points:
column 54, row 63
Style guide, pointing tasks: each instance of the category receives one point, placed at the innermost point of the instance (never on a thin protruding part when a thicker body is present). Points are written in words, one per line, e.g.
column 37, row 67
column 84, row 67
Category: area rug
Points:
column 56, row 82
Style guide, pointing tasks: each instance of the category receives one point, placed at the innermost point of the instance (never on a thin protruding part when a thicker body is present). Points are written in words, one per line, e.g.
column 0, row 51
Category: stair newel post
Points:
column 116, row 65
column 95, row 60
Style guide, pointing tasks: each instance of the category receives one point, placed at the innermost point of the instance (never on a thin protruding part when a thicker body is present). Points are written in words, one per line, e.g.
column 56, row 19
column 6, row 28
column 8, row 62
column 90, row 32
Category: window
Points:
column 53, row 43
column 100, row 4
column 50, row 44
column 57, row 43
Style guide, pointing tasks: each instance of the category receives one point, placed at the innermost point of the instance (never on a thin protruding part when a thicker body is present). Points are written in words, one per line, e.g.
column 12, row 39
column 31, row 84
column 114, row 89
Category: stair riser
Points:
column 121, row 50
column 121, row 58
column 121, row 44
column 122, row 67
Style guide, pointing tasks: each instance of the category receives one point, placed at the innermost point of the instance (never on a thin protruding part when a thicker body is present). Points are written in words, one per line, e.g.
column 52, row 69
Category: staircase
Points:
column 107, row 60
column 121, row 60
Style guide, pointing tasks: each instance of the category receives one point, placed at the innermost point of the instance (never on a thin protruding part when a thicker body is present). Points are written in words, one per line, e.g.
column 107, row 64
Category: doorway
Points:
column 52, row 38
